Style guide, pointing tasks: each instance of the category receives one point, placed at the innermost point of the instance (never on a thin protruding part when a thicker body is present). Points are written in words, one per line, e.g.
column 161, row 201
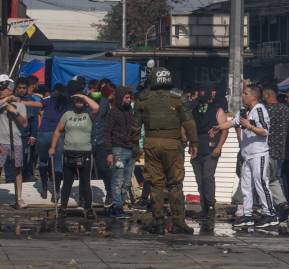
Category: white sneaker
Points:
column 240, row 211
column 20, row 204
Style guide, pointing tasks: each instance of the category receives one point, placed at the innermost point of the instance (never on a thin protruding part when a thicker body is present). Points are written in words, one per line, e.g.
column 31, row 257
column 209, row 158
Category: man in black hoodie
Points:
column 119, row 147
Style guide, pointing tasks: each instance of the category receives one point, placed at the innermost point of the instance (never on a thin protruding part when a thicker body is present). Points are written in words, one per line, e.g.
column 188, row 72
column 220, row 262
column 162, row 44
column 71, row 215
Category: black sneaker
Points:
column 43, row 194
column 89, row 214
column 108, row 201
column 118, row 213
column 283, row 212
column 53, row 198
column 267, row 221
column 81, row 204
column 141, row 205
column 244, row 221
column 182, row 229
column 62, row 213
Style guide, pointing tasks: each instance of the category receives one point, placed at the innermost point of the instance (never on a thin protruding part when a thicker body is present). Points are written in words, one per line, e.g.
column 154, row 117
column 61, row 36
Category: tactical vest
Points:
column 161, row 111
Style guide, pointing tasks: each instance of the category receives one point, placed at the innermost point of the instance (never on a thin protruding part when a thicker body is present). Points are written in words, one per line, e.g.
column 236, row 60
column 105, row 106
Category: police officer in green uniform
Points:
column 164, row 112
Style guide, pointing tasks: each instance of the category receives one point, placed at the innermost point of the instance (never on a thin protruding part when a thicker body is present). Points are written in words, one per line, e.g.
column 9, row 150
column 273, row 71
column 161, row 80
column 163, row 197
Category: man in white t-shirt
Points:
column 12, row 117
column 254, row 122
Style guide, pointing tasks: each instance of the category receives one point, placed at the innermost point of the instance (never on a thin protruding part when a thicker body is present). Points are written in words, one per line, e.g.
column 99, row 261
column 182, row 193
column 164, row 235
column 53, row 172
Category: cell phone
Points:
column 243, row 113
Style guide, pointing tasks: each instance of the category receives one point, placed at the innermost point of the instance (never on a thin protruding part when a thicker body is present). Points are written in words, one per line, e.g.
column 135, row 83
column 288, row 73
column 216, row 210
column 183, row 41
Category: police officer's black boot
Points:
column 158, row 224
column 43, row 171
column 156, row 227
column 177, row 204
column 182, row 228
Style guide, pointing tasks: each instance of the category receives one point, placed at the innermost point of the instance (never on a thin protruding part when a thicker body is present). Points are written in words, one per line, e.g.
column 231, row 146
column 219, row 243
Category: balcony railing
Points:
column 269, row 50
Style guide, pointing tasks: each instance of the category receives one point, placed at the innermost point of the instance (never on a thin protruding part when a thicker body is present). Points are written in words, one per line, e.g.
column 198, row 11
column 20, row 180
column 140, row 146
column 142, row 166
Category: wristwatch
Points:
column 16, row 114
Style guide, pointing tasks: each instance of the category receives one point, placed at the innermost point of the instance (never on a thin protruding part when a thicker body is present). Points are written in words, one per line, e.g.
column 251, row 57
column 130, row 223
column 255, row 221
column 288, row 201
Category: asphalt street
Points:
column 32, row 238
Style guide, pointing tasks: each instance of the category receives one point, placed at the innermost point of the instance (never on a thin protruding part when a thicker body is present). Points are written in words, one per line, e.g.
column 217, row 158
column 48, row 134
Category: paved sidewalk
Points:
column 31, row 193
column 145, row 252
column 32, row 238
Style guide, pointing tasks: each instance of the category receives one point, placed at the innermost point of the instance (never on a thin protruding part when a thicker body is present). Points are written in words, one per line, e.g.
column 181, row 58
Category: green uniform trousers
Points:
column 164, row 168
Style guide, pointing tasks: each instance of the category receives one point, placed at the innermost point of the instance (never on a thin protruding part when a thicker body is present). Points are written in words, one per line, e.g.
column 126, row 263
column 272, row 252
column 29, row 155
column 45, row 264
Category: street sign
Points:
column 18, row 26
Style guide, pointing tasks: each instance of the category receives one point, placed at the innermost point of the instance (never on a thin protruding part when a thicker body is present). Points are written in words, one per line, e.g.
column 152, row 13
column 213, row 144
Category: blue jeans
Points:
column 44, row 141
column 121, row 175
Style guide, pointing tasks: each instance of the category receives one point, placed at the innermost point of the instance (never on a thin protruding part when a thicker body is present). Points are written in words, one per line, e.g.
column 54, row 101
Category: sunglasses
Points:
column 3, row 89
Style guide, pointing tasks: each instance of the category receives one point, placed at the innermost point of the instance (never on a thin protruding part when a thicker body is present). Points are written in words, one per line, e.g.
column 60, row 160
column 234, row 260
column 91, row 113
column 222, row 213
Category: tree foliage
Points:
column 141, row 15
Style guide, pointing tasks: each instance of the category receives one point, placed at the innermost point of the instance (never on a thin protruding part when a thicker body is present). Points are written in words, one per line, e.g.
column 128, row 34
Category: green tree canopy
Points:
column 141, row 14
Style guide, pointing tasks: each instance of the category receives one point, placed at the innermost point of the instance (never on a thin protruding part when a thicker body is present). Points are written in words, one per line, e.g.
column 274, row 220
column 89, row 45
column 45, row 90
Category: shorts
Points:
column 7, row 152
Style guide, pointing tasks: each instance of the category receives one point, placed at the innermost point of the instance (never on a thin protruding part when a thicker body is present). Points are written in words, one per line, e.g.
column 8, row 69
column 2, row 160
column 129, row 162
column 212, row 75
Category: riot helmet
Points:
column 160, row 78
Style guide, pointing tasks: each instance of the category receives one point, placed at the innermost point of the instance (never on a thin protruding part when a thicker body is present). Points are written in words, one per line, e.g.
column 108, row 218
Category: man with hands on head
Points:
column 254, row 122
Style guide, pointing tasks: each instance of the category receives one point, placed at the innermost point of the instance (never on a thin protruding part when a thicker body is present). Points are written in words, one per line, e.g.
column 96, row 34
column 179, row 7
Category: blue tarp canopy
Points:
column 284, row 86
column 64, row 69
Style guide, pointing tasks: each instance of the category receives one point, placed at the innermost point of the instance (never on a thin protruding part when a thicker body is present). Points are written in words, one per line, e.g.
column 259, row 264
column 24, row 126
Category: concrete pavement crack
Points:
column 197, row 262
column 278, row 258
column 7, row 256
column 173, row 247
column 264, row 252
column 95, row 253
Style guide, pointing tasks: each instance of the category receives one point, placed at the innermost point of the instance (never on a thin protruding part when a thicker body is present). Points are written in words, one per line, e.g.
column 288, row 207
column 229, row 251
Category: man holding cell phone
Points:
column 254, row 123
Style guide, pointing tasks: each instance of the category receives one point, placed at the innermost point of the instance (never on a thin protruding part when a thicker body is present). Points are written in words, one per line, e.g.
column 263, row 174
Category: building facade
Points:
column 67, row 19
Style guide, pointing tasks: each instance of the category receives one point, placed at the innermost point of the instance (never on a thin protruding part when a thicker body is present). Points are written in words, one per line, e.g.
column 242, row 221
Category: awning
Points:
column 39, row 42
column 172, row 53
column 284, row 86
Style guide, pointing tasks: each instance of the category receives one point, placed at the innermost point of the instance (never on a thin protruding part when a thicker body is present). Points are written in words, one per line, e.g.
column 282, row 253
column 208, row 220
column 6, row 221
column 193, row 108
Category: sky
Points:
column 79, row 19
column 86, row 5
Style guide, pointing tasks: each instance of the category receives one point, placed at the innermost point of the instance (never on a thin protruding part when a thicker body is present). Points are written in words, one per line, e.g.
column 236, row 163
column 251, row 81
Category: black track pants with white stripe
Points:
column 254, row 174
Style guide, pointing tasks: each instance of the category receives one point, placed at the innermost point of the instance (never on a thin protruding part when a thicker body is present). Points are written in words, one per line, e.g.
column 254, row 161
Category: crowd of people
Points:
column 97, row 129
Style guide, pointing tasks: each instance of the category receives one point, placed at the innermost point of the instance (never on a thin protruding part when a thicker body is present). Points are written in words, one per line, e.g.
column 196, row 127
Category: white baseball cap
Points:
column 6, row 82
column 5, row 77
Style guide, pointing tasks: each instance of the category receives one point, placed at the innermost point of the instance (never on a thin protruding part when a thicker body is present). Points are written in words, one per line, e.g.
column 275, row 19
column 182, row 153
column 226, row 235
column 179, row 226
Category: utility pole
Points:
column 123, row 59
column 123, row 41
column 236, row 54
column 4, row 51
